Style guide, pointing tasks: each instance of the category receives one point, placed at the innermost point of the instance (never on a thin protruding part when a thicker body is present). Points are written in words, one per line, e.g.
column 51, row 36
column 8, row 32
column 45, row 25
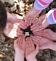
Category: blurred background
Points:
column 21, row 7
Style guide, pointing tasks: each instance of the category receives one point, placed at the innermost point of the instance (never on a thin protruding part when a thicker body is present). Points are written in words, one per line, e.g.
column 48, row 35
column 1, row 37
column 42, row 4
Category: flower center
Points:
column 27, row 31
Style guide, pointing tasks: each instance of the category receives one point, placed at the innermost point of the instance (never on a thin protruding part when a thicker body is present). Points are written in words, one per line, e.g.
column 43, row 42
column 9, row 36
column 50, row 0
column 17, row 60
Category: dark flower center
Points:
column 27, row 31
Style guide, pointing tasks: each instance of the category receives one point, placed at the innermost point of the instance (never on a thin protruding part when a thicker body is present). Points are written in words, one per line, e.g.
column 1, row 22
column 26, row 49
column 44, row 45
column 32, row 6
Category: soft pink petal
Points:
column 39, row 40
column 19, row 50
column 34, row 27
column 22, row 24
column 34, row 39
column 47, row 33
column 19, row 32
column 28, row 21
column 31, row 20
column 49, row 45
column 20, row 42
column 31, row 16
column 29, row 46
column 35, row 20
column 38, row 25
column 32, row 56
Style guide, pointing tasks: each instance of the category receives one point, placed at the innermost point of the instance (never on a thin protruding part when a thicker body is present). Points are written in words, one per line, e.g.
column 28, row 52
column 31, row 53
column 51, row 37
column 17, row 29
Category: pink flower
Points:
column 29, row 41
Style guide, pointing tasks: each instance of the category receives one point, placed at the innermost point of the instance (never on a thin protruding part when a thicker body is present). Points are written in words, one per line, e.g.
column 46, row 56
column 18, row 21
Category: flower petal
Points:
column 49, row 45
column 46, row 33
column 34, row 27
column 19, row 49
column 20, row 43
column 31, row 52
column 39, row 40
column 31, row 16
column 22, row 24
column 38, row 25
column 29, row 46
column 19, row 32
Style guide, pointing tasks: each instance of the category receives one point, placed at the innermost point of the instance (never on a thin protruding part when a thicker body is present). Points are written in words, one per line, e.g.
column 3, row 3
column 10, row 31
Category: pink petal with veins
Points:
column 20, row 42
column 19, row 32
column 28, row 22
column 22, row 24
column 39, row 40
column 34, row 39
column 35, row 20
column 31, row 52
column 19, row 53
column 31, row 20
column 29, row 46
column 31, row 16
column 46, row 33
column 35, row 27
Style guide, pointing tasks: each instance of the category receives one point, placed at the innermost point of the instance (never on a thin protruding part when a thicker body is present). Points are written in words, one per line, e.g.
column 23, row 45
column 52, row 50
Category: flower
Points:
column 29, row 41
